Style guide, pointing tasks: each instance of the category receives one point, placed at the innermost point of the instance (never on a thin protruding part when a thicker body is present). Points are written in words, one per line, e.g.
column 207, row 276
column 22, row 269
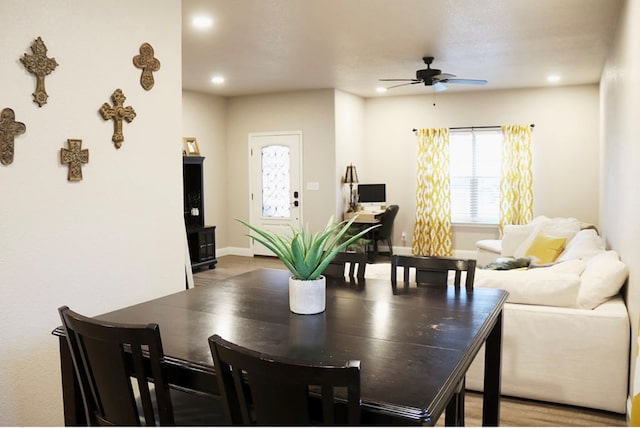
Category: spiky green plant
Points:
column 307, row 254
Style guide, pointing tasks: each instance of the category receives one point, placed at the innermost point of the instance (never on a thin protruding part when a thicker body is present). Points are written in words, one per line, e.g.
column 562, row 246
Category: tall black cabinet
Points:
column 201, row 239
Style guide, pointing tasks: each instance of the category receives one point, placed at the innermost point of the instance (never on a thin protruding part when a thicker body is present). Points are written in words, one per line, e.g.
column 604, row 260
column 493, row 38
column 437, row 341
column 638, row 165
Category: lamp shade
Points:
column 351, row 175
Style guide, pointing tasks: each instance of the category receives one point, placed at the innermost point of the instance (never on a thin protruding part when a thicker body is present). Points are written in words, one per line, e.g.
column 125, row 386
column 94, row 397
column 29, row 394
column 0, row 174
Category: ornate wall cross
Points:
column 74, row 156
column 117, row 113
column 148, row 64
column 9, row 128
column 39, row 65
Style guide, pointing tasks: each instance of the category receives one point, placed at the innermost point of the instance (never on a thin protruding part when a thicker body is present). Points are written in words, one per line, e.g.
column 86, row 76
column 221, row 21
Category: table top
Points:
column 414, row 346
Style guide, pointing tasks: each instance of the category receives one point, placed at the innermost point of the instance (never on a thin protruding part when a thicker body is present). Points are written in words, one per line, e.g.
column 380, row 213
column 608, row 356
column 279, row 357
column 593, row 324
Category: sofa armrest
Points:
column 487, row 251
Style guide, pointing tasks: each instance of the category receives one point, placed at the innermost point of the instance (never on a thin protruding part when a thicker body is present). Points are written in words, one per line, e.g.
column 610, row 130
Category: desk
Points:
column 415, row 346
column 367, row 217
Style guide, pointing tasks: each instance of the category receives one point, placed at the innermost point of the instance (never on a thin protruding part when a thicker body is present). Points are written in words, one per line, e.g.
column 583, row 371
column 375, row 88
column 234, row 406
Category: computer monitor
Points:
column 372, row 193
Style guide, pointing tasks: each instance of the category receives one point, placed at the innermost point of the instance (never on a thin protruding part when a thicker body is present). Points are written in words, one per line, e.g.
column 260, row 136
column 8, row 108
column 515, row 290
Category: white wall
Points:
column 620, row 204
column 205, row 118
column 349, row 142
column 115, row 238
column 565, row 147
column 311, row 112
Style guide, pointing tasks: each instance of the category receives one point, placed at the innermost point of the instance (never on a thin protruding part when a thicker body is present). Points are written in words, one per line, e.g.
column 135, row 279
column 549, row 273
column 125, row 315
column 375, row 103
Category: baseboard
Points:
column 234, row 251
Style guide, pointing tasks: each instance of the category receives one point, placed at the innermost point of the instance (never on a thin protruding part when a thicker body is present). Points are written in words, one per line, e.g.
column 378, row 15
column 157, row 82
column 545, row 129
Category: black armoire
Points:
column 201, row 239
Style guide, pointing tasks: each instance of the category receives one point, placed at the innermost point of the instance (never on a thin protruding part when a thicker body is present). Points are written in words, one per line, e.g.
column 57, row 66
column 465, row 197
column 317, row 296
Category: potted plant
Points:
column 307, row 255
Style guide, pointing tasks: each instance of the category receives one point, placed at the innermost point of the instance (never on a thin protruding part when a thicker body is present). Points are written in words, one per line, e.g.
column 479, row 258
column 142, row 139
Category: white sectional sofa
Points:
column 566, row 332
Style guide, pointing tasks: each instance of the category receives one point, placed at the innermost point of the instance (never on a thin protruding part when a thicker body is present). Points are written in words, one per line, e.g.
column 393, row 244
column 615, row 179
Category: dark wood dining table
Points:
column 415, row 344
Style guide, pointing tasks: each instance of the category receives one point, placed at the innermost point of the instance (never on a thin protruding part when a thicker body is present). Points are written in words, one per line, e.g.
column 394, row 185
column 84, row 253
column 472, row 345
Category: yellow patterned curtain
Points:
column 516, row 182
column 432, row 229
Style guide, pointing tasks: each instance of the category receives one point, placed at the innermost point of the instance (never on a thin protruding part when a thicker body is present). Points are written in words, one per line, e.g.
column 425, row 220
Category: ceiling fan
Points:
column 434, row 78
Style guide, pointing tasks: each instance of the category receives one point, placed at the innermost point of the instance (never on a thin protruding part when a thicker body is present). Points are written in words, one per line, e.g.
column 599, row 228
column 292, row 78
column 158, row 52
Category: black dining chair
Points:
column 385, row 232
column 122, row 380
column 434, row 270
column 261, row 389
column 356, row 262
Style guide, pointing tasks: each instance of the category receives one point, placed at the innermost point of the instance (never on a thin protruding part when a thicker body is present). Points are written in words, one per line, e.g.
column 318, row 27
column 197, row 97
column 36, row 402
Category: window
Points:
column 475, row 163
column 276, row 201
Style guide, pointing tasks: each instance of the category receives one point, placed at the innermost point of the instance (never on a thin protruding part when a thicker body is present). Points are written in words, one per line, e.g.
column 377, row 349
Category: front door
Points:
column 276, row 200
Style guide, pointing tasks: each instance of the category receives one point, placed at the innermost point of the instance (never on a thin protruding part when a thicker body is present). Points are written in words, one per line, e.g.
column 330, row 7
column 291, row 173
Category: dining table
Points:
column 415, row 343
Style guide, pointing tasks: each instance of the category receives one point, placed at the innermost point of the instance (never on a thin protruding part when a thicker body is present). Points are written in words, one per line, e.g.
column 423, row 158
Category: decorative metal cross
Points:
column 117, row 113
column 9, row 128
column 39, row 65
column 148, row 64
column 74, row 156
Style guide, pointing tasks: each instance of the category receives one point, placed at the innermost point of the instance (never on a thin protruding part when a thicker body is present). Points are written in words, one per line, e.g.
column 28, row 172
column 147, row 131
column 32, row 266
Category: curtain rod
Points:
column 478, row 127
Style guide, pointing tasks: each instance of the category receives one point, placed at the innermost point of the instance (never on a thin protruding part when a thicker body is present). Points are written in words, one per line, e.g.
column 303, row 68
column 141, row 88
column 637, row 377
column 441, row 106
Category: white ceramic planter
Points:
column 307, row 297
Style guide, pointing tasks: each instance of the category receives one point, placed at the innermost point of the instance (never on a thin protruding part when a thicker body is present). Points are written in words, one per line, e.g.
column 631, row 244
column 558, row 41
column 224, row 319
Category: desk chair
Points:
column 259, row 389
column 355, row 260
column 113, row 364
column 435, row 271
column 385, row 232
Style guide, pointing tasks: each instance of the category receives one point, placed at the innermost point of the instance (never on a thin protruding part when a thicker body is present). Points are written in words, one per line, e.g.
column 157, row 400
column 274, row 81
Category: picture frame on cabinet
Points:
column 190, row 147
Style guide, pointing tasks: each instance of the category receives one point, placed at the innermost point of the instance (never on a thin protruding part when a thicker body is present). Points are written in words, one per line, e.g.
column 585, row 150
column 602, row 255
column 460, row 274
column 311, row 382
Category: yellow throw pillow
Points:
column 546, row 249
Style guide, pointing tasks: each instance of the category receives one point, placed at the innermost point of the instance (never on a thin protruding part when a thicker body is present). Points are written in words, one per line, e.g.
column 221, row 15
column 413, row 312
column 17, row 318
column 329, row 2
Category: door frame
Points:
column 298, row 134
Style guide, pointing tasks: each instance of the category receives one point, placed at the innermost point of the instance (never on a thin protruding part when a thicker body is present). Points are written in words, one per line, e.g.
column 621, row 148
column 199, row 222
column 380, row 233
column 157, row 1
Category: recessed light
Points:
column 380, row 89
column 218, row 80
column 202, row 22
column 553, row 78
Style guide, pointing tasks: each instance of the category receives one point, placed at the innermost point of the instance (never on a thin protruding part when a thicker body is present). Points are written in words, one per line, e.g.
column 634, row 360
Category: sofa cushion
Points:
column 602, row 279
column 586, row 244
column 557, row 285
column 513, row 235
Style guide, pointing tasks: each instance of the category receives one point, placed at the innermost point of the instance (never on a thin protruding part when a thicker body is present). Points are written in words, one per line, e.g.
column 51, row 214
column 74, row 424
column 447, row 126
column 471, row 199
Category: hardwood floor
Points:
column 513, row 412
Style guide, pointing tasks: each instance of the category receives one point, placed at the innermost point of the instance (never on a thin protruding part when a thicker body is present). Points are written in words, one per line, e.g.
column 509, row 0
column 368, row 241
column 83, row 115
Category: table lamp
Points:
column 351, row 178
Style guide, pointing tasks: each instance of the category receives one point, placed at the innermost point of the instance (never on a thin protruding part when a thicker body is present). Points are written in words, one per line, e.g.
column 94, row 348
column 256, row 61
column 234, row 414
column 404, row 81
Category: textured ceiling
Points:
column 263, row 46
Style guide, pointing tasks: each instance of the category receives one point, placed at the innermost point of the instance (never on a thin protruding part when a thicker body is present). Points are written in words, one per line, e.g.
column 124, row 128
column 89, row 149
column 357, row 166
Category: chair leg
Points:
column 390, row 247
column 352, row 269
column 375, row 249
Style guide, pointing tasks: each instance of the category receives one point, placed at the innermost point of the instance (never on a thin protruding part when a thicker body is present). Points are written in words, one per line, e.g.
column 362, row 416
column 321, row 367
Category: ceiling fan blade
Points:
column 405, row 84
column 467, row 81
column 398, row 80
column 439, row 87
column 443, row 76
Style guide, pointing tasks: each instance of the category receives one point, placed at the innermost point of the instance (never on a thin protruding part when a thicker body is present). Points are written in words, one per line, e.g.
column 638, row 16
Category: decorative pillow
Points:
column 586, row 244
column 545, row 249
column 513, row 235
column 602, row 279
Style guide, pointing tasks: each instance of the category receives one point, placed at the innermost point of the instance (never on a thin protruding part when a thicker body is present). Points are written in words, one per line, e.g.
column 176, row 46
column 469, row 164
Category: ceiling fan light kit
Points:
column 434, row 78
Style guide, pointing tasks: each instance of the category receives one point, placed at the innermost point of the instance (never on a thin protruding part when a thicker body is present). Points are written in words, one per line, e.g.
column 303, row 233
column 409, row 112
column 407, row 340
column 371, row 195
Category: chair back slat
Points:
column 266, row 390
column 356, row 262
column 437, row 268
